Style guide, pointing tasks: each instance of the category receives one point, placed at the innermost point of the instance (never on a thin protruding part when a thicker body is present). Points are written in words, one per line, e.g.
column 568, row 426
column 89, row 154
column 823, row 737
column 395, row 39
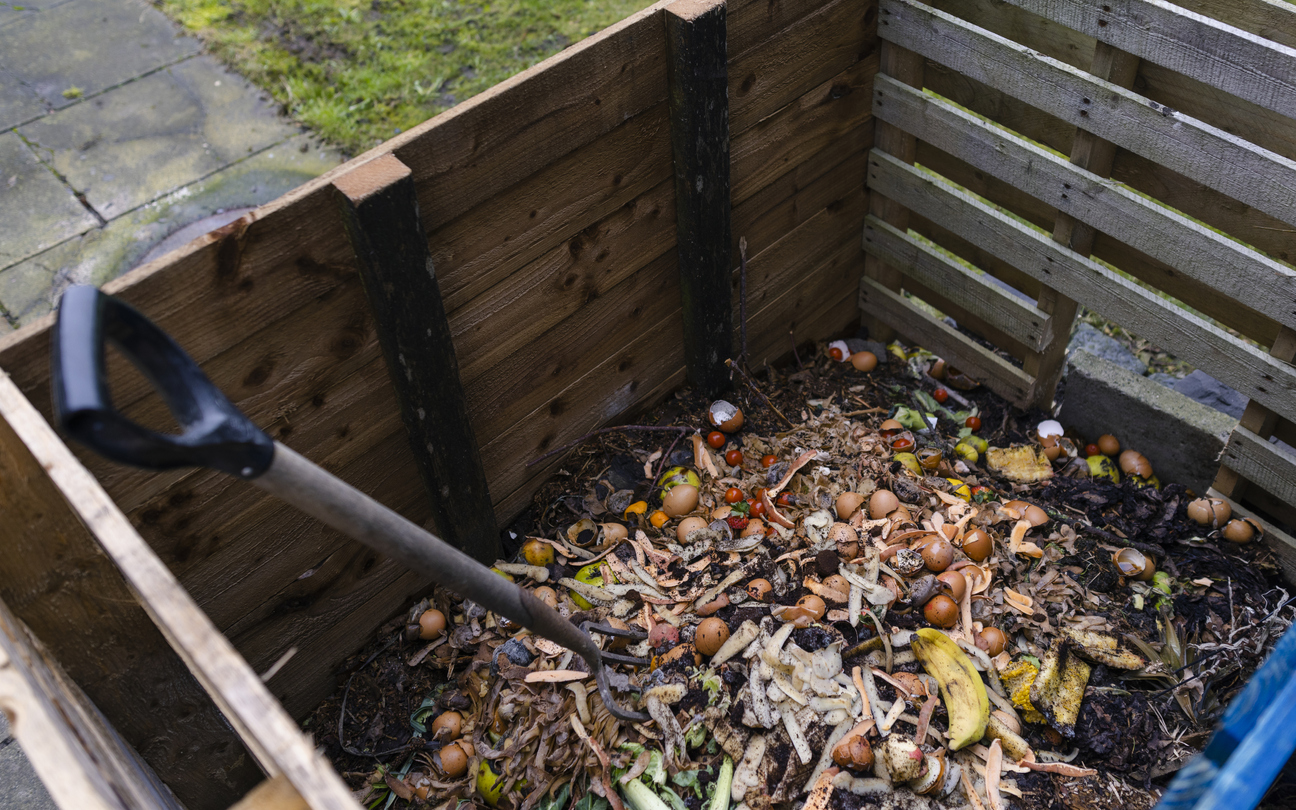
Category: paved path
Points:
column 116, row 132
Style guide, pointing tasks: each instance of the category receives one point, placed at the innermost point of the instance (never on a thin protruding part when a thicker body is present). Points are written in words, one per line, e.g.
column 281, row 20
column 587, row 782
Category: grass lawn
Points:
column 359, row 71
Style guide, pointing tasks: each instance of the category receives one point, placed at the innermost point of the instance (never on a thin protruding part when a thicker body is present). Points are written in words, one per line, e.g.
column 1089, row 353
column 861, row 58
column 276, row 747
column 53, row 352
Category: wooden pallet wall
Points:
column 548, row 207
column 1173, row 216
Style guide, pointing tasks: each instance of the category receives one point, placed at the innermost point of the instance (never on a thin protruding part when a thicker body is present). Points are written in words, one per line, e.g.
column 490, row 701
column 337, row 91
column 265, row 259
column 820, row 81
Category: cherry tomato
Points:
column 902, row 444
column 760, row 493
column 836, row 354
column 785, row 499
column 716, row 439
column 733, row 495
column 734, row 458
column 941, row 395
column 973, row 422
column 756, row 507
column 1092, row 450
column 769, row 461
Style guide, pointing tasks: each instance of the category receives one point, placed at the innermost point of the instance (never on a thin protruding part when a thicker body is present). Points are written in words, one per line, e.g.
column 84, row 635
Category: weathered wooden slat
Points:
column 496, row 139
column 836, row 112
column 1258, row 419
column 1234, row 60
column 699, row 114
column 951, row 308
column 770, row 74
column 1198, row 252
column 380, row 208
column 273, row 794
column 487, row 243
column 1238, row 364
column 1261, row 463
column 1270, row 19
column 1255, row 176
column 80, row 757
column 932, row 268
column 216, row 766
column 940, row 338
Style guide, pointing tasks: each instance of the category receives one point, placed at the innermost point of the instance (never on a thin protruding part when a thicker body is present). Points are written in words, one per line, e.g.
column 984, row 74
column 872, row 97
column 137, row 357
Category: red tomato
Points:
column 973, row 422
column 902, row 444
column 760, row 493
column 769, row 461
column 941, row 395
column 733, row 495
column 756, row 507
column 716, row 439
column 1092, row 450
column 785, row 499
column 836, row 354
column 734, row 458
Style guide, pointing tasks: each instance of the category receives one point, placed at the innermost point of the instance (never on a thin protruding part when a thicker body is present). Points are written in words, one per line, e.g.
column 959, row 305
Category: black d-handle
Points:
column 214, row 433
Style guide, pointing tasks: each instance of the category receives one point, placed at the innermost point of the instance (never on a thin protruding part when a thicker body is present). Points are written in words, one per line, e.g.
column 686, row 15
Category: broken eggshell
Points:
column 725, row 416
column 1134, row 564
column 1211, row 512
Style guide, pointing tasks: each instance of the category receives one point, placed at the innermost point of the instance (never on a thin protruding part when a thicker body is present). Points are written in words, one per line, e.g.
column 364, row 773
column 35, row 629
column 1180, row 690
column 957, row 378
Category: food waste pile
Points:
column 866, row 582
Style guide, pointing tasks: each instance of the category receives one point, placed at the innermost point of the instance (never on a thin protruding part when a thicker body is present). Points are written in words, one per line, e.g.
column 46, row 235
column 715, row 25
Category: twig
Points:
column 666, row 456
column 742, row 296
column 752, row 385
column 792, row 334
column 594, row 433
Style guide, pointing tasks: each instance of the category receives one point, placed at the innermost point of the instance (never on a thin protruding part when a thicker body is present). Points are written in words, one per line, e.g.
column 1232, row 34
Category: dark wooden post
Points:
column 381, row 214
column 698, row 78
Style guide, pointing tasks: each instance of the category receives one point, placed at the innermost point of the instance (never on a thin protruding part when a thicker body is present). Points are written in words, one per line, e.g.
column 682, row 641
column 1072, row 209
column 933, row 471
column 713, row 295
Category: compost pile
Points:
column 847, row 588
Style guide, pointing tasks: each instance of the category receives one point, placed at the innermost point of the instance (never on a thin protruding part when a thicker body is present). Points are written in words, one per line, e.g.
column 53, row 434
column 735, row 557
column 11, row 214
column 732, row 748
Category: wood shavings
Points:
column 557, row 676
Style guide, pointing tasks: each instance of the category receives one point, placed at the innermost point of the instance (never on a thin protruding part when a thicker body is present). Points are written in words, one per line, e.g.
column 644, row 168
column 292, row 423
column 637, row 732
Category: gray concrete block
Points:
column 145, row 139
column 91, row 45
column 20, row 788
column 37, row 209
column 18, row 104
column 1182, row 438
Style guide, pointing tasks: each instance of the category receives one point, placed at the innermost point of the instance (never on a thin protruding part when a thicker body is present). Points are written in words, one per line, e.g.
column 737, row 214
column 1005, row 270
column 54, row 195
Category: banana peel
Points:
column 1060, row 686
column 961, row 688
column 1018, row 678
column 1100, row 648
column 1103, row 467
column 1024, row 464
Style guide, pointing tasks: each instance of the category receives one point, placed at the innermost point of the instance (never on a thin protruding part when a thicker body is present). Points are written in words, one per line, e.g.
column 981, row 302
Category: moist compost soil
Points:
column 1223, row 613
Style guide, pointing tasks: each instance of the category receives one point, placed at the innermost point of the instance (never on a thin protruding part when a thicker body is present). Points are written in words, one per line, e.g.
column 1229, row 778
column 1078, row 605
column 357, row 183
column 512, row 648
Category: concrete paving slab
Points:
column 30, row 289
column 147, row 138
column 37, row 210
column 17, row 103
column 11, row 11
column 19, row 785
column 90, row 44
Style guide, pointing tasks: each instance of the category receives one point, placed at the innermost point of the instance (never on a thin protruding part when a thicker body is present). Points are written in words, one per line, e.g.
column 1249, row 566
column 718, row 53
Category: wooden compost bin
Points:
column 572, row 245
column 548, row 209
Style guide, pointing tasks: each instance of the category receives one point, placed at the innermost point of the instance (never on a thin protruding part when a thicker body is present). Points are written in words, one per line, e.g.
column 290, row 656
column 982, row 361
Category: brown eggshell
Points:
column 842, row 534
column 890, row 426
column 680, row 500
column 663, row 633
column 882, row 503
column 864, row 361
column 760, row 589
column 853, row 752
column 754, row 526
column 977, row 545
column 688, row 525
column 813, row 605
column 547, row 595
column 848, row 503
column 941, row 611
column 454, row 761
column 1211, row 512
column 1108, row 445
column 938, row 554
column 711, row 634
column 937, row 370
column 994, row 639
column 721, row 601
column 431, row 624
column 1132, row 462
column 957, row 584
column 725, row 416
column 682, row 651
column 1241, row 530
column 447, row 726
column 838, row 583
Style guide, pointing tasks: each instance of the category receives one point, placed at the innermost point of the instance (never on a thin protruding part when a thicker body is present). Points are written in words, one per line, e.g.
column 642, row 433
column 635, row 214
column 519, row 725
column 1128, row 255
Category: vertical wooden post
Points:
column 1088, row 151
column 698, row 80
column 1256, row 418
column 380, row 209
column 906, row 66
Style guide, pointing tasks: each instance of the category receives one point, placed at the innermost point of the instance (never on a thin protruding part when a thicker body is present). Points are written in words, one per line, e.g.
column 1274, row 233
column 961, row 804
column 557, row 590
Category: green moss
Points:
column 359, row 71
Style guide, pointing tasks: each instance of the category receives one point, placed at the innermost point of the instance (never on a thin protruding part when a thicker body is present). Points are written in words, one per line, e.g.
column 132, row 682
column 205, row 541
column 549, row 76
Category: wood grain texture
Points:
column 699, row 112
column 1270, row 19
column 933, row 269
column 1213, row 52
column 1238, row 364
column 1250, row 174
column 261, row 723
column 940, row 338
column 272, row 794
column 496, row 139
column 836, row 113
column 487, row 243
column 381, row 217
column 79, row 756
column 1199, row 253
column 1261, row 463
column 811, row 50
column 1258, row 419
